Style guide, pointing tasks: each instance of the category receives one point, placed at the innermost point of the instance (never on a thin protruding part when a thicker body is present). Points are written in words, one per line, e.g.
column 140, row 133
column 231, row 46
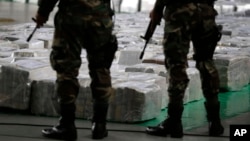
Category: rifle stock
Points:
column 149, row 33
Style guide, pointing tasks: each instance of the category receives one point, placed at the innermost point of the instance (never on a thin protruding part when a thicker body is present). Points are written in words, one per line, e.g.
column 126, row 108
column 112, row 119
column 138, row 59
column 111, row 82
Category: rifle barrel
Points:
column 31, row 35
column 34, row 30
column 149, row 33
column 142, row 53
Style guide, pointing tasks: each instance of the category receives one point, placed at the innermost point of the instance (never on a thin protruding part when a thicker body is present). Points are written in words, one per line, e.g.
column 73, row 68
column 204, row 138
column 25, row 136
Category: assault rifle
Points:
column 149, row 33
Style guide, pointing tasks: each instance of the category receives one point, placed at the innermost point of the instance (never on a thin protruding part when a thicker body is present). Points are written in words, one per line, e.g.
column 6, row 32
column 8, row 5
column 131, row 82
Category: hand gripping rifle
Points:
column 149, row 33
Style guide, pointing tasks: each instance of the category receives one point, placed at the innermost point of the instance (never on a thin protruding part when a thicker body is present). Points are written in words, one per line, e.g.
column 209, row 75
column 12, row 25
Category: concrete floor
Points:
column 21, row 127
column 14, row 12
column 17, row 127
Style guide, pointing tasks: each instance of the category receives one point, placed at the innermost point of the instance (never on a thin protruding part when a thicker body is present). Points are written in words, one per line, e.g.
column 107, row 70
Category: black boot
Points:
column 213, row 115
column 172, row 125
column 66, row 129
column 99, row 130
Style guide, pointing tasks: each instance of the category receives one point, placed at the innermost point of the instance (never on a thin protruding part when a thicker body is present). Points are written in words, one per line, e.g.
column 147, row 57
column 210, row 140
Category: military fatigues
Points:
column 185, row 21
column 82, row 24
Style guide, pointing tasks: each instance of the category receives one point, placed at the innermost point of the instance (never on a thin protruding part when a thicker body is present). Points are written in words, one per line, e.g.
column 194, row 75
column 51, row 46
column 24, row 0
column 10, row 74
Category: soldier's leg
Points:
column 176, row 47
column 204, row 46
column 100, row 62
column 65, row 60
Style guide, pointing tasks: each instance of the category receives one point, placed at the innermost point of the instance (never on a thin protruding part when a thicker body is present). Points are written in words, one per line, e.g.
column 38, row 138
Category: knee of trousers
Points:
column 101, row 86
column 64, row 60
column 207, row 66
column 209, row 77
column 178, row 81
column 176, row 91
column 103, row 94
column 67, row 91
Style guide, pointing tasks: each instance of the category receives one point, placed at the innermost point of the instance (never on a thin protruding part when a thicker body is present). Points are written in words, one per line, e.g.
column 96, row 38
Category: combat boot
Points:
column 66, row 129
column 99, row 130
column 61, row 132
column 171, row 126
column 213, row 115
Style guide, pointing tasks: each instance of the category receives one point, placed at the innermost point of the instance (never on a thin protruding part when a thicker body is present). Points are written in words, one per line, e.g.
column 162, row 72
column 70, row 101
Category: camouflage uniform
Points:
column 185, row 21
column 82, row 24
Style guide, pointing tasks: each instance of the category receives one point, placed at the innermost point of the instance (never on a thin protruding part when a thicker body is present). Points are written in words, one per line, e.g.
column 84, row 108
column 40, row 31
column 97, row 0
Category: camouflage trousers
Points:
column 74, row 32
column 186, row 23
